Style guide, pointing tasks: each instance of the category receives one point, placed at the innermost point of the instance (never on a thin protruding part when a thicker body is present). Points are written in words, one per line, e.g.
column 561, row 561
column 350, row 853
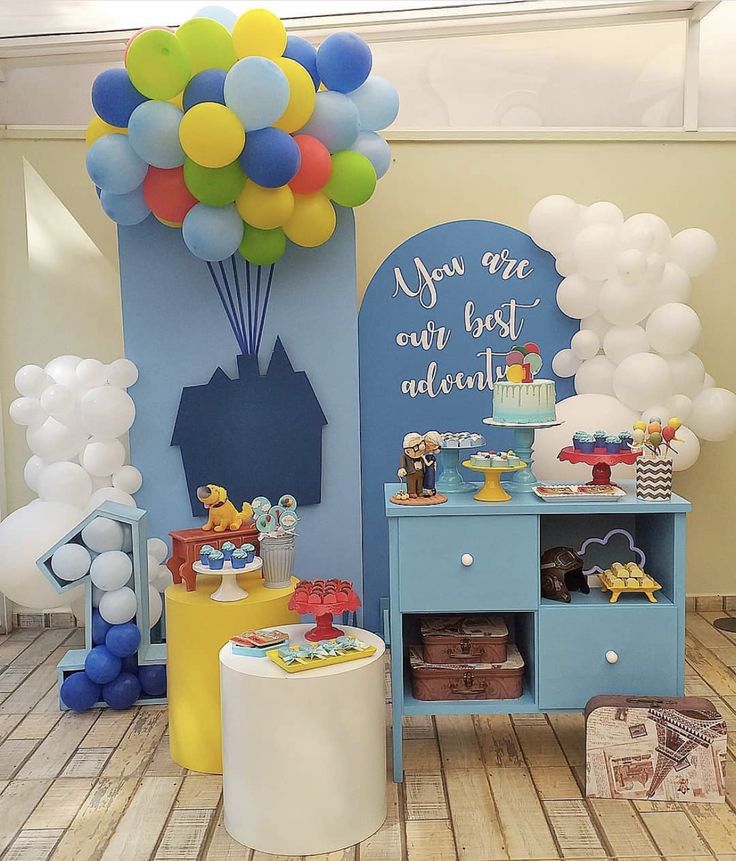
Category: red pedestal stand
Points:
column 332, row 602
column 600, row 460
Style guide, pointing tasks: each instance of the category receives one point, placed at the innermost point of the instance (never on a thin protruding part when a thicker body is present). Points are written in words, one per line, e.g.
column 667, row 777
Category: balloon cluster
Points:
column 523, row 363
column 238, row 134
column 628, row 281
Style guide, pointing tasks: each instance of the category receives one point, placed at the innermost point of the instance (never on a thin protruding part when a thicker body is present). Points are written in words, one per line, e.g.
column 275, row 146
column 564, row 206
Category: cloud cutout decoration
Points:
column 602, row 554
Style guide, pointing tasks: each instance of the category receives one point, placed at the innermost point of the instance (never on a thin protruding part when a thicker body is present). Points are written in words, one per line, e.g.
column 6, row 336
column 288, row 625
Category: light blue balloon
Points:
column 212, row 232
column 218, row 13
column 114, row 166
column 126, row 209
column 153, row 132
column 375, row 149
column 257, row 91
column 377, row 102
column 334, row 121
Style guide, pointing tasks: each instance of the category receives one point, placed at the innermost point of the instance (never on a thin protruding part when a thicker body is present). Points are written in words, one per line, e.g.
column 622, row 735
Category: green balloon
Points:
column 262, row 246
column 215, row 186
column 353, row 179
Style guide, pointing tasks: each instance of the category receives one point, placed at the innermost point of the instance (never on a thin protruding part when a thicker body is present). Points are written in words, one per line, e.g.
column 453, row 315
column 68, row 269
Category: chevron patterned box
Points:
column 655, row 749
column 653, row 478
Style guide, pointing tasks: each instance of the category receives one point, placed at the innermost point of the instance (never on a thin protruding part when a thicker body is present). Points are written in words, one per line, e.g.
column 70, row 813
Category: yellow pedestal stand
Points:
column 492, row 490
column 196, row 629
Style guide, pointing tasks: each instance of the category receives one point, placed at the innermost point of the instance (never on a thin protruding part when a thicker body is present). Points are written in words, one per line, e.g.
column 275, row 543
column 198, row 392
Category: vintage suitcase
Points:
column 654, row 749
column 464, row 639
column 499, row 681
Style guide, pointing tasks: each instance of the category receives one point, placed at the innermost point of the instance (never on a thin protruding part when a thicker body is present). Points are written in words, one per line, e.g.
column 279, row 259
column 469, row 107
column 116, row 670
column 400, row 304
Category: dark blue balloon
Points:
column 99, row 628
column 305, row 54
column 206, row 86
column 122, row 692
column 79, row 693
column 114, row 98
column 271, row 158
column 153, row 680
column 344, row 62
column 130, row 664
column 123, row 640
column 101, row 665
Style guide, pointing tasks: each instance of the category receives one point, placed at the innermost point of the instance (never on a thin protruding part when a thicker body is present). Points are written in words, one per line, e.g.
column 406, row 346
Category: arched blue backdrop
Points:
column 435, row 322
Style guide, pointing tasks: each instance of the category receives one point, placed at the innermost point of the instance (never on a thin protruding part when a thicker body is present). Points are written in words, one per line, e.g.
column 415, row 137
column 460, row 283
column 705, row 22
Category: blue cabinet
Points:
column 468, row 556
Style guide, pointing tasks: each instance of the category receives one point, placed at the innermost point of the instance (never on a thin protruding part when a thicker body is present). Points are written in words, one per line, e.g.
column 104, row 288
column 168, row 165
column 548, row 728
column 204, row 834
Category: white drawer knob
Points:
column 611, row 656
column 467, row 560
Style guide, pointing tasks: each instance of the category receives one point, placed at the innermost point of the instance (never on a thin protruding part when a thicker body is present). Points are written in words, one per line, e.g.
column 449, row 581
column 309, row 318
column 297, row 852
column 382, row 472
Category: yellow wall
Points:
column 73, row 304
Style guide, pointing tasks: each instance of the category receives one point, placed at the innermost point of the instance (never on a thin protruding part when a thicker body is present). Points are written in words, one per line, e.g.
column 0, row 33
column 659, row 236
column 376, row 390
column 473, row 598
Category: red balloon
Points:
column 531, row 347
column 316, row 165
column 166, row 193
column 668, row 433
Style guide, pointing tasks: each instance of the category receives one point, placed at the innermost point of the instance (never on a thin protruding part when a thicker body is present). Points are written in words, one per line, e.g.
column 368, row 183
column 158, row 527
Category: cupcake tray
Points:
column 229, row 589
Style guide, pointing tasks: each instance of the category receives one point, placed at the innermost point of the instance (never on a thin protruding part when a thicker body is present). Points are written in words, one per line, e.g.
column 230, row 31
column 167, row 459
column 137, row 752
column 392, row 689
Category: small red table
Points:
column 600, row 460
column 186, row 544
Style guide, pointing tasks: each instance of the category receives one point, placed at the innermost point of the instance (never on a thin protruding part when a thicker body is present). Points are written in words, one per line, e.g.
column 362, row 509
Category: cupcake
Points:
column 500, row 460
column 227, row 550
column 577, row 438
column 587, row 444
column 481, row 458
column 613, row 444
column 217, row 560
column 512, row 459
column 599, row 437
column 238, row 559
column 204, row 554
column 250, row 552
column 627, row 440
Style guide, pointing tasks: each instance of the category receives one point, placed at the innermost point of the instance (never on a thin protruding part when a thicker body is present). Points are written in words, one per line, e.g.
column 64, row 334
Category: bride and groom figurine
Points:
column 418, row 468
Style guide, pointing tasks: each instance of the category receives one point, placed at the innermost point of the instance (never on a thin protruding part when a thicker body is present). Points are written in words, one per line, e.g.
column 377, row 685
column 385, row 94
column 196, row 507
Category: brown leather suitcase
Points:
column 654, row 749
column 464, row 639
column 499, row 681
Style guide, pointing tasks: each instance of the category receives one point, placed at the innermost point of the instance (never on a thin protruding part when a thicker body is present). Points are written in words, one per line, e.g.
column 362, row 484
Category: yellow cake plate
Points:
column 492, row 490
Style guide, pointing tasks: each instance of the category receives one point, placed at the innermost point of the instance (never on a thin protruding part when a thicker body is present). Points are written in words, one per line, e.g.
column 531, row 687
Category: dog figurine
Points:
column 221, row 513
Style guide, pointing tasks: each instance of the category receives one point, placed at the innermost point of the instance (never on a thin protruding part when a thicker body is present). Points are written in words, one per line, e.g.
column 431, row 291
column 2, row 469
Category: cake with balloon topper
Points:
column 521, row 398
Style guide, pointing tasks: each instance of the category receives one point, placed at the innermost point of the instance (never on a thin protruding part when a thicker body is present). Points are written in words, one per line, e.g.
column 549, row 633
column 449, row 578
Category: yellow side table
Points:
column 196, row 629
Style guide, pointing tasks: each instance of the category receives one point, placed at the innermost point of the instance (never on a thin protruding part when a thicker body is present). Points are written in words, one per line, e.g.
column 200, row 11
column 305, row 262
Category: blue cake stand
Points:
column 449, row 479
column 523, row 481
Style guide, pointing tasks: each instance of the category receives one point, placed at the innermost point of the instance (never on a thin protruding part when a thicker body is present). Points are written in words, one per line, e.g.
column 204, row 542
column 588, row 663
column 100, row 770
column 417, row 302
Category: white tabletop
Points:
column 266, row 668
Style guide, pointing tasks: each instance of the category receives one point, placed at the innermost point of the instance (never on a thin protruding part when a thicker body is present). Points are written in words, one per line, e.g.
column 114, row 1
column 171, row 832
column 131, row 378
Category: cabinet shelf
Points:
column 598, row 598
column 412, row 706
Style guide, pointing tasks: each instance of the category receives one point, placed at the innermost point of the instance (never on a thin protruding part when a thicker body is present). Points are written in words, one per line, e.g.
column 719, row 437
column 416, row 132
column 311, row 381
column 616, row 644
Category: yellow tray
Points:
column 298, row 667
column 608, row 585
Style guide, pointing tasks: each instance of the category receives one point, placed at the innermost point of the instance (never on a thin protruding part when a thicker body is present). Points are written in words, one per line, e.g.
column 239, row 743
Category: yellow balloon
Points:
column 211, row 134
column 313, row 220
column 178, row 101
column 98, row 127
column 265, row 208
column 259, row 33
column 302, row 98
column 168, row 223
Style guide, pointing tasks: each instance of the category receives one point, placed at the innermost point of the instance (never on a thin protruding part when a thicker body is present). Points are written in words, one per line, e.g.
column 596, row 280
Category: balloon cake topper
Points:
column 523, row 363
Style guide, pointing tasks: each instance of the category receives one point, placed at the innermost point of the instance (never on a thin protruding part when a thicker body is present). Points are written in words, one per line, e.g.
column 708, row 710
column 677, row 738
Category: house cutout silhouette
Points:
column 257, row 435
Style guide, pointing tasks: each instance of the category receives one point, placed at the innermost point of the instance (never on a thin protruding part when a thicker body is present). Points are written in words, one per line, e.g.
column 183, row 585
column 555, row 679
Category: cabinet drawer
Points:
column 573, row 642
column 503, row 556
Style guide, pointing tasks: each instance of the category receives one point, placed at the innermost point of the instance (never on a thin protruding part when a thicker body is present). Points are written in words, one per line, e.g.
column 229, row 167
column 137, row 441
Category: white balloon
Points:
column 159, row 549
column 65, row 482
column 127, row 479
column 96, row 596
column 624, row 304
column 674, row 285
column 594, row 248
column 26, row 411
column 580, row 412
column 646, row 232
column 673, row 328
column 31, row 380
column 91, row 373
column 122, row 373
column 109, row 494
column 25, row 535
column 622, row 341
column 63, row 370
column 99, row 481
column 103, row 457
column 153, row 566
column 54, row 441
column 679, row 406
column 32, row 470
column 107, row 412
column 552, row 221
column 708, row 382
column 596, row 323
column 688, row 451
column 118, row 606
column 155, row 605
column 642, row 379
column 585, row 344
column 603, row 212
column 111, row 570
column 565, row 363
column 688, row 374
column 565, row 263
column 595, row 377
column 57, row 400
column 162, row 579
column 657, row 412
column 631, row 264
column 713, row 416
column 694, row 250
column 655, row 266
column 71, row 561
column 103, row 534
column 577, row 297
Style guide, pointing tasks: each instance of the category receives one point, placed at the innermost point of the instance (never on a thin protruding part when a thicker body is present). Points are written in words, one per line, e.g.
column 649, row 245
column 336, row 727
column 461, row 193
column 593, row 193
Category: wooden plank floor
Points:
column 101, row 785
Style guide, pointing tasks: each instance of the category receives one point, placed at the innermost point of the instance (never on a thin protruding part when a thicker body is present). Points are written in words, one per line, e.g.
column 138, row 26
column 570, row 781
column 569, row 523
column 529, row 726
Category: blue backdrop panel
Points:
column 178, row 335
column 433, row 313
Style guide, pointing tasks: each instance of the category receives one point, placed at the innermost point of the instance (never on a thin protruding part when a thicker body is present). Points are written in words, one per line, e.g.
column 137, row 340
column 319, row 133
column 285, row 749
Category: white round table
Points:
column 304, row 754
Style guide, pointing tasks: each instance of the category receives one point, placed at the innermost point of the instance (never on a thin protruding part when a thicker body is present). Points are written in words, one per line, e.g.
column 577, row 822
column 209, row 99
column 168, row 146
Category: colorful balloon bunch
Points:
column 523, row 363
column 653, row 435
column 241, row 136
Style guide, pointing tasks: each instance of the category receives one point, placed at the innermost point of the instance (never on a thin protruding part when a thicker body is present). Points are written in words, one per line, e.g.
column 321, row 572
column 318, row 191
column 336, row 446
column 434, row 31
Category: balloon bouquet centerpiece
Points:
column 243, row 138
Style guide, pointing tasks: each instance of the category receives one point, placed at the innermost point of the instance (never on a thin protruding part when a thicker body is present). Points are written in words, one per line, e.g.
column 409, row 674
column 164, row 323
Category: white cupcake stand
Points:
column 229, row 589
